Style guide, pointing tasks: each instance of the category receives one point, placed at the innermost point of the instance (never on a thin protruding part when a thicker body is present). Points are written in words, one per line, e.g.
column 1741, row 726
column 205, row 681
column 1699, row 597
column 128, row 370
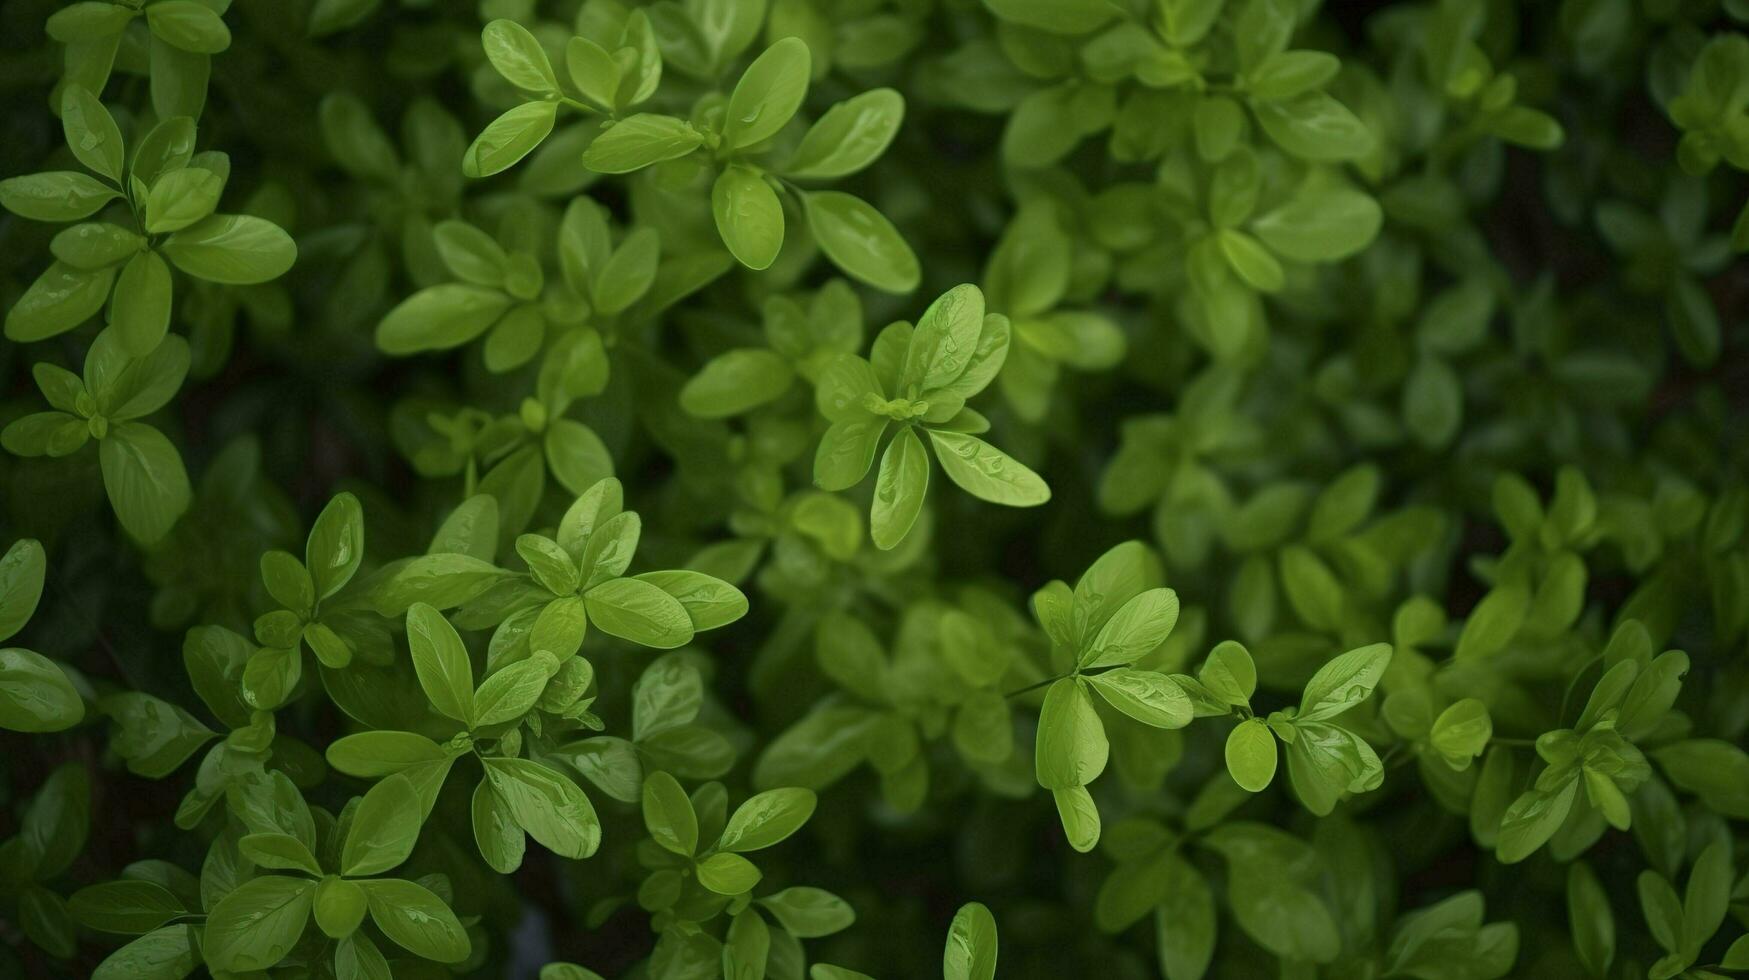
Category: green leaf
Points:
column 844, row 387
column 768, row 94
column 736, row 381
column 258, row 923
column 140, row 312
column 1662, row 908
column 1314, row 127
column 668, row 694
column 577, row 455
column 1533, row 818
column 611, row 548
column 509, row 138
column 416, row 920
column 471, row 254
column 593, row 70
column 128, row 386
column 1080, row 818
column 281, row 852
column 1590, row 919
column 1136, row 629
column 986, row 472
column 809, row 913
column 61, row 195
column 1737, row 957
column 1230, row 673
column 1494, row 622
column 1433, row 402
column 358, row 144
column 35, row 694
column 899, row 489
column 1461, row 732
column 129, row 907
column 766, row 819
column 339, row 908
column 500, row 840
column 179, row 77
column 638, row 141
column 1713, row 769
column 145, row 481
column 182, row 197
column 748, row 215
column 610, row 763
column 849, row 137
column 709, row 602
column 517, row 56
column 384, row 828
column 846, row 452
column 236, row 249
column 547, row 805
column 861, row 241
column 945, row 340
column 60, row 299
column 440, row 317
column 172, row 951
column 22, row 570
column 92, row 245
column 91, row 133
column 1251, row 756
column 154, row 736
column 271, row 676
column 1148, row 696
column 287, row 581
column 748, row 950
column 1072, row 747
column 441, row 661
column 727, row 874
column 512, row 691
column 1528, row 128
column 1286, row 74
column 1321, row 224
column 1252, row 261
column 1184, row 924
column 188, row 25
column 971, row 945
column 336, row 545
column 668, row 814
column 1707, row 897
column 639, row 611
column 442, row 580
column 1344, row 682
column 1325, row 762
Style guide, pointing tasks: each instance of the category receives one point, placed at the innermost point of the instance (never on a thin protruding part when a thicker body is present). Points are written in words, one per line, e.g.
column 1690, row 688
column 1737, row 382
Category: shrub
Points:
column 837, row 489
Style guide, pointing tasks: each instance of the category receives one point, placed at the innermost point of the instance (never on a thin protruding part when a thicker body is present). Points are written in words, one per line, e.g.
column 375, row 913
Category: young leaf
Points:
column 1251, row 756
column 986, row 472
column 899, row 489
column 861, row 241
column 1072, row 747
column 768, row 94
column 517, row 56
column 441, row 661
column 971, row 945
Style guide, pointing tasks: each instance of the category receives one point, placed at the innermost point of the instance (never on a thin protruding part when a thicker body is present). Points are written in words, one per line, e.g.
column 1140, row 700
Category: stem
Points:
column 1034, row 687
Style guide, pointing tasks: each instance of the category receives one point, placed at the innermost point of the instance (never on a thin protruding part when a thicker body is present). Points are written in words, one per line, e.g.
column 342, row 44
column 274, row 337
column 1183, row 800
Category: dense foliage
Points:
column 837, row 489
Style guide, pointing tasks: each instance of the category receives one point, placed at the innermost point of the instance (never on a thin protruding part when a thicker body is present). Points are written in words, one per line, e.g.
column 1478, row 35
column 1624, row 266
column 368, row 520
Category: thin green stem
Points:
column 1034, row 687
